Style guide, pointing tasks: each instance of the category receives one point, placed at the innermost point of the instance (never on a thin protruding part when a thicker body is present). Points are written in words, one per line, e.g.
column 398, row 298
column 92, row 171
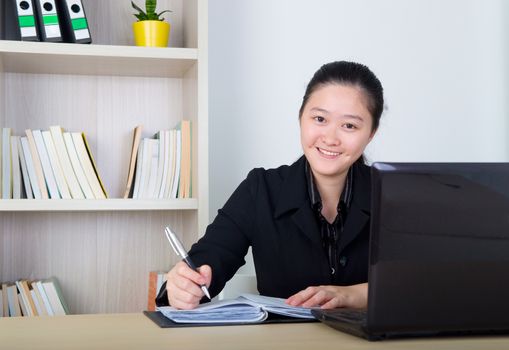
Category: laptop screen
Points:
column 439, row 254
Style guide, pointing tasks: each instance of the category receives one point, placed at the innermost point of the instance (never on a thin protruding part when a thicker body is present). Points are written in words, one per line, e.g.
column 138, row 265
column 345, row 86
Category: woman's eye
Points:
column 319, row 119
column 349, row 126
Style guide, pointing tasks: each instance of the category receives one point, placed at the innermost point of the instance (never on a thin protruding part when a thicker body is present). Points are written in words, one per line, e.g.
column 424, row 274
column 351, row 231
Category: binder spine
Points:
column 18, row 20
column 47, row 20
column 74, row 24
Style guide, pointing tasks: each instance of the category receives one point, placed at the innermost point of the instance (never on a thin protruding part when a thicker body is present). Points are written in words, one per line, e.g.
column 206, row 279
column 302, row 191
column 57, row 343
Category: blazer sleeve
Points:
column 226, row 239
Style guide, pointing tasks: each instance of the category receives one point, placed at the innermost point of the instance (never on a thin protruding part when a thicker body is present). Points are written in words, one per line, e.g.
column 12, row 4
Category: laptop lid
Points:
column 439, row 250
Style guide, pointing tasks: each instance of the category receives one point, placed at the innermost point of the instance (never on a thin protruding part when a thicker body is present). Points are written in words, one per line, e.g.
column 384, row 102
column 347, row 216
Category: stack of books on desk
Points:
column 49, row 164
column 32, row 298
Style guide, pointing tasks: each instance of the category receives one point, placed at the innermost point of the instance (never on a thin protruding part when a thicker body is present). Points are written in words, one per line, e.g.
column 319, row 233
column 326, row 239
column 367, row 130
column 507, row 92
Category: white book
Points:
column 24, row 170
column 63, row 189
column 65, row 162
column 14, row 305
column 171, row 163
column 51, row 293
column 6, row 164
column 146, row 157
column 178, row 157
column 154, row 162
column 34, row 181
column 39, row 303
column 5, row 302
column 36, row 302
column 87, row 166
column 16, row 168
column 76, row 165
column 24, row 302
column 44, row 297
column 161, row 136
column 41, row 181
column 137, row 173
column 2, row 302
column 46, row 165
column 166, row 163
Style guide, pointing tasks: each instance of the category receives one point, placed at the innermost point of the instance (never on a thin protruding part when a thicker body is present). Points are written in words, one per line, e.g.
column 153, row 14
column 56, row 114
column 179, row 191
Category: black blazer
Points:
column 271, row 211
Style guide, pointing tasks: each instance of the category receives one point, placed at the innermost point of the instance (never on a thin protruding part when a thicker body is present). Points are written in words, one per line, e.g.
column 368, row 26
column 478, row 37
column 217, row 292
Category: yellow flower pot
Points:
column 151, row 33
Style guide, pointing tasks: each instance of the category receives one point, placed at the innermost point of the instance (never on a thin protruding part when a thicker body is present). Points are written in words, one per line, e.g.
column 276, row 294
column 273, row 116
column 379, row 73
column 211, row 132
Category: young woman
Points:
column 307, row 223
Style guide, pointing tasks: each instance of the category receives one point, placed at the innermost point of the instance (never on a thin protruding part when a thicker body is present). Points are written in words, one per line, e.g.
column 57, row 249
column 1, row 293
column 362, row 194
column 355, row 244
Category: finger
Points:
column 320, row 297
column 184, row 299
column 302, row 296
column 184, row 284
column 185, row 271
column 206, row 272
column 333, row 303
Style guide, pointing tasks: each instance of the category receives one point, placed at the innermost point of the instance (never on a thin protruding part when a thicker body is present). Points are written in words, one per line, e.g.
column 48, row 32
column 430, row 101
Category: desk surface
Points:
column 136, row 331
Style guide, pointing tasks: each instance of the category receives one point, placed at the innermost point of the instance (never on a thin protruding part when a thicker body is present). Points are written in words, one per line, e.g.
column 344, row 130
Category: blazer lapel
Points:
column 360, row 209
column 294, row 197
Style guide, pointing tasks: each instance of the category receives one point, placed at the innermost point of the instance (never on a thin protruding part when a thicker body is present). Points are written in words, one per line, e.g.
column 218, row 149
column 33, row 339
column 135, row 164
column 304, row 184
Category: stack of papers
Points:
column 247, row 308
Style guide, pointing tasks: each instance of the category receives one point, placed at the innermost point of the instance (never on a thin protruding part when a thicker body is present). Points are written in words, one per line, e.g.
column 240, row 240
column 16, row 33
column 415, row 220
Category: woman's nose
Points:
column 330, row 136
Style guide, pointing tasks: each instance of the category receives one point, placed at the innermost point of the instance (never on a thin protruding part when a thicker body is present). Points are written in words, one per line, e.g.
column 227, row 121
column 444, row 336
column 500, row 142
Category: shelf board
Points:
column 80, row 59
column 114, row 204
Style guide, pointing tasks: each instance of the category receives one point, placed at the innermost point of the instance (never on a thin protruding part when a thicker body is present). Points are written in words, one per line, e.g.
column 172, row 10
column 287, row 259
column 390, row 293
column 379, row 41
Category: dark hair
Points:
column 350, row 74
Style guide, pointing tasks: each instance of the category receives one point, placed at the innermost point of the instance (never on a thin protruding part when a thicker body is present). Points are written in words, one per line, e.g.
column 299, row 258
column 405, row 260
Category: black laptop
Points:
column 439, row 252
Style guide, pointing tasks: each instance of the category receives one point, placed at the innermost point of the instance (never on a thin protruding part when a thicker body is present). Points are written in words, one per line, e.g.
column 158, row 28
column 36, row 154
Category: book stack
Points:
column 160, row 167
column 155, row 281
column 32, row 298
column 49, row 164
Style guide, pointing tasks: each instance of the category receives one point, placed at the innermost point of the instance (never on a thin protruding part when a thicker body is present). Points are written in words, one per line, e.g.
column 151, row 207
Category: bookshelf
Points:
column 101, row 251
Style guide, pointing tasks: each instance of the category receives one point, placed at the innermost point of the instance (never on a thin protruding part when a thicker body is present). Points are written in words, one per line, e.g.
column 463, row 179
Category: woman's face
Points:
column 335, row 127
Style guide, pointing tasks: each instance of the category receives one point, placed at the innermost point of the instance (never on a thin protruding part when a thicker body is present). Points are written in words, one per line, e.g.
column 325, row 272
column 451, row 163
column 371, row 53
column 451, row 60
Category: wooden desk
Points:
column 136, row 331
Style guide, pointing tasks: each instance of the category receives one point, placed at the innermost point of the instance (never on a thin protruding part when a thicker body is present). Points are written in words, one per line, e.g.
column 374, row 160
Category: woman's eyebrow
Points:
column 318, row 109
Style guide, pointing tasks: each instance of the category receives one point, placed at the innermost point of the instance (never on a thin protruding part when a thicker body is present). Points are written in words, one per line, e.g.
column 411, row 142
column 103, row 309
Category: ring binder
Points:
column 18, row 17
column 73, row 21
column 47, row 20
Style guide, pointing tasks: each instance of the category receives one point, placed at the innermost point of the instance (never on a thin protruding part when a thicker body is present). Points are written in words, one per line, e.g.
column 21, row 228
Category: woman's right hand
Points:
column 183, row 285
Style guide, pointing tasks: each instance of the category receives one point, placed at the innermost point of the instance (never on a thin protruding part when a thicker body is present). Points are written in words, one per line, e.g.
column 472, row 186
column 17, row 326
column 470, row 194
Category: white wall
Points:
column 443, row 64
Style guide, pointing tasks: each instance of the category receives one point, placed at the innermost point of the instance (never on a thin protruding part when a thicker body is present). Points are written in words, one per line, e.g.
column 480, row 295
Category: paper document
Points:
column 247, row 308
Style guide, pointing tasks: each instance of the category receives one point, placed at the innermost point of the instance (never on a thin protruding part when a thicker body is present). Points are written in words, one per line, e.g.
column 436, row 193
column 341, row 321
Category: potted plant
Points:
column 151, row 29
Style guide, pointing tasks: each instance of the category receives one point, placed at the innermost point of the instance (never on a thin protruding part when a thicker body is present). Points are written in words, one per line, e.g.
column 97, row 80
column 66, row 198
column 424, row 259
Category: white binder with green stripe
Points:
column 18, row 20
column 47, row 20
column 74, row 24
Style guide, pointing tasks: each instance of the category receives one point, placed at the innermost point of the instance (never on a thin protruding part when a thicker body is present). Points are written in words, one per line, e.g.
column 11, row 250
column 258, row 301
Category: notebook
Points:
column 439, row 252
column 246, row 309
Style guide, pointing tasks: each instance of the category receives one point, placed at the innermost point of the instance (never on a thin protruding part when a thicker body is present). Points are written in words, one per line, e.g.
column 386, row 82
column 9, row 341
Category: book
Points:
column 6, row 164
column 1, row 302
column 17, row 186
column 24, row 170
column 184, row 190
column 144, row 173
column 55, row 297
column 41, row 182
column 5, row 302
column 65, row 162
column 13, row 301
column 137, row 174
column 161, row 136
column 155, row 281
column 38, row 300
column 94, row 165
column 34, row 181
column 63, row 189
column 132, row 162
column 176, row 171
column 47, row 305
column 76, row 165
column 152, row 172
column 49, row 177
column 166, row 163
column 247, row 308
column 172, row 155
column 86, row 164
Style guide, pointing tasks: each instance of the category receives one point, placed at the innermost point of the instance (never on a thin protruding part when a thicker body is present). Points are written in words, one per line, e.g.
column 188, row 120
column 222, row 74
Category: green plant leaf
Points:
column 150, row 6
column 137, row 8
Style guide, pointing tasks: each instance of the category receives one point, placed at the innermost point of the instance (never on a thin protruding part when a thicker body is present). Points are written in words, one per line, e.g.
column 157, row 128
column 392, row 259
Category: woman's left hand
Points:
column 330, row 297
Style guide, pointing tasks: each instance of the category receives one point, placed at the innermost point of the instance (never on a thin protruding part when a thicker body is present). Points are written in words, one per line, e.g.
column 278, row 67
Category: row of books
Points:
column 32, row 298
column 155, row 281
column 45, row 20
column 49, row 164
column 160, row 167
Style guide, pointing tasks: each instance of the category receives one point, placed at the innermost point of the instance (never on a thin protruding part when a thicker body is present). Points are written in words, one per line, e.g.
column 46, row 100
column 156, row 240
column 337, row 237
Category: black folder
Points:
column 165, row 322
column 18, row 20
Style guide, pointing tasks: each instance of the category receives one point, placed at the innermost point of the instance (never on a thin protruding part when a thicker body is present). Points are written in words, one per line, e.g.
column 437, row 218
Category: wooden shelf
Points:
column 114, row 204
column 79, row 59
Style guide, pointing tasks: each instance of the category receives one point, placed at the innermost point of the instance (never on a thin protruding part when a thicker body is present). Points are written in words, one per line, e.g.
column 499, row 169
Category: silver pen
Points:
column 179, row 249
